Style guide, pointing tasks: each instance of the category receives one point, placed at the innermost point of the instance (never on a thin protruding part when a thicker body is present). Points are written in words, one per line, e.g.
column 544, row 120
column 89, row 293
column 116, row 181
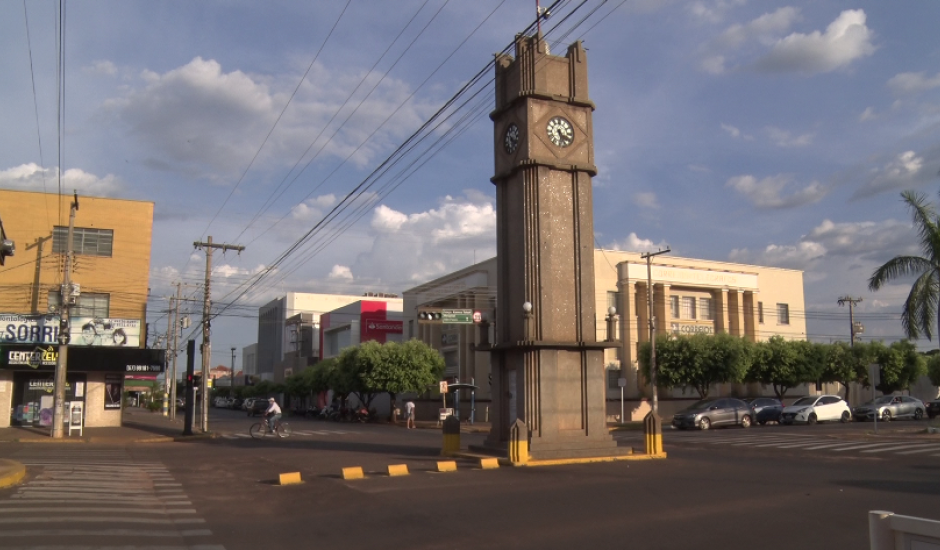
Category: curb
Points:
column 11, row 473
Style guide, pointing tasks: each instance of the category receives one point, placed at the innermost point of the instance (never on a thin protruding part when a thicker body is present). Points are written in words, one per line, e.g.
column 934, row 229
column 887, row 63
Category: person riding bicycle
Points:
column 272, row 413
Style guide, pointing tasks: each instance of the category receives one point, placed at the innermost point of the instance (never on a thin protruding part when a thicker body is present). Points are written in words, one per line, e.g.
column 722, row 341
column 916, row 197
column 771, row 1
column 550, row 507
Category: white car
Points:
column 816, row 408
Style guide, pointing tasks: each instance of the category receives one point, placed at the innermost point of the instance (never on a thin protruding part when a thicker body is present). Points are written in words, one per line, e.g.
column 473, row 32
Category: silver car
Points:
column 889, row 407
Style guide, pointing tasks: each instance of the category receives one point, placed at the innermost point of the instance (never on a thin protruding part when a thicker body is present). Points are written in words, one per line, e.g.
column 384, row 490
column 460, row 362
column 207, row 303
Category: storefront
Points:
column 94, row 380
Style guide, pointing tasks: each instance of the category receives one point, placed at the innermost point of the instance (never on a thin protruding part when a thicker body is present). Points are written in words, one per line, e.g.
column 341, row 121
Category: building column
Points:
column 642, row 313
column 663, row 312
column 722, row 306
column 750, row 316
column 736, row 312
column 629, row 331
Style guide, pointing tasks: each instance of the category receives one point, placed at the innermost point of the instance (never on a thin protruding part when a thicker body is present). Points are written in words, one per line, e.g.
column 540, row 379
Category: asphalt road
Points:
column 726, row 489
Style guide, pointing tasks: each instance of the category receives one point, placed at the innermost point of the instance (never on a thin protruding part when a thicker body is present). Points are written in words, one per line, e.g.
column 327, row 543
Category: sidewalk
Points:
column 140, row 426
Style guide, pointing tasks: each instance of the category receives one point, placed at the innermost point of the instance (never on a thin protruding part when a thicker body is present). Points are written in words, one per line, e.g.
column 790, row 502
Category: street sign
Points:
column 443, row 386
column 621, row 382
column 457, row 316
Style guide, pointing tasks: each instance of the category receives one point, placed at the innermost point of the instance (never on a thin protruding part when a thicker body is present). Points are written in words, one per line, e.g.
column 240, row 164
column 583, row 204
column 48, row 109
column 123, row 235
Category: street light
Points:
column 648, row 256
column 232, row 376
column 526, row 317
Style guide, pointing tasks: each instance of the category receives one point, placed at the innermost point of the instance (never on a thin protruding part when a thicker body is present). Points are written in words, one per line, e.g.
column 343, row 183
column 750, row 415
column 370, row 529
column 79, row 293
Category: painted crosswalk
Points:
column 101, row 498
column 807, row 442
column 307, row 433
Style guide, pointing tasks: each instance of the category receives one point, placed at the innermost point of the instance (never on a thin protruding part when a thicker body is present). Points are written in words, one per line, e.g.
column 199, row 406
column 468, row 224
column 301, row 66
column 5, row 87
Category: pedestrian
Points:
column 410, row 414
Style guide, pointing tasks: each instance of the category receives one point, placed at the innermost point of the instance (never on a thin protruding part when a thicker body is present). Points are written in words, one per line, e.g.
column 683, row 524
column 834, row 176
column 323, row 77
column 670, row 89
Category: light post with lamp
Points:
column 648, row 256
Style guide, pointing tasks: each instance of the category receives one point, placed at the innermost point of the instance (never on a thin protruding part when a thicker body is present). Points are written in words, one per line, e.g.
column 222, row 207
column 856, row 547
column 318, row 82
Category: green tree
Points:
column 846, row 364
column 408, row 367
column 697, row 361
column 919, row 316
column 785, row 364
column 901, row 365
column 933, row 369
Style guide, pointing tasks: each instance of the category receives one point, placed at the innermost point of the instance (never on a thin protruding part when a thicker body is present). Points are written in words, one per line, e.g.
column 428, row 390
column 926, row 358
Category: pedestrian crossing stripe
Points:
column 810, row 443
column 294, row 432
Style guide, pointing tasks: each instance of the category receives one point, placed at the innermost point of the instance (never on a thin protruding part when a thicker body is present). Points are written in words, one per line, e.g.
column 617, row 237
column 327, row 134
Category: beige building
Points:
column 689, row 296
column 110, row 275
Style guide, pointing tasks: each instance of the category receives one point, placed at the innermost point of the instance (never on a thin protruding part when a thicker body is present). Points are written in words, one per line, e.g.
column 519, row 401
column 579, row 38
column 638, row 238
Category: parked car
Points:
column 933, row 408
column 246, row 404
column 258, row 406
column 180, row 403
column 235, row 403
column 707, row 413
column 889, row 407
column 765, row 409
column 816, row 408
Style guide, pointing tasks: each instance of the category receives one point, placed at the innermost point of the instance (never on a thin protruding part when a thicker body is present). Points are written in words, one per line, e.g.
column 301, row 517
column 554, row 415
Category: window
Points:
column 89, row 304
column 760, row 312
column 612, row 302
column 87, row 241
column 705, row 309
column 688, row 307
column 674, row 306
column 613, row 379
column 783, row 314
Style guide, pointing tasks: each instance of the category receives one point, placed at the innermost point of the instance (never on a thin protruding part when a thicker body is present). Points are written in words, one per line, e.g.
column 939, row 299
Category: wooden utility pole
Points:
column 59, row 383
column 209, row 247
column 851, row 301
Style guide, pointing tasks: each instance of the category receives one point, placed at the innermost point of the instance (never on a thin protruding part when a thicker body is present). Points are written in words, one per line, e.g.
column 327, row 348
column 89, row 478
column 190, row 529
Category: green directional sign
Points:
column 457, row 316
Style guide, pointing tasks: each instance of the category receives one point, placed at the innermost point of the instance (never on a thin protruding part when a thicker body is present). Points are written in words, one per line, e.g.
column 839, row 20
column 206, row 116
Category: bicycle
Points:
column 263, row 428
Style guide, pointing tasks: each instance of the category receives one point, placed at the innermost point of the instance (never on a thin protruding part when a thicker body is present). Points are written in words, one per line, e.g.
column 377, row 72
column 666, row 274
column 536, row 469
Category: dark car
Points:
column 933, row 408
column 258, row 406
column 707, row 413
column 235, row 403
column 765, row 409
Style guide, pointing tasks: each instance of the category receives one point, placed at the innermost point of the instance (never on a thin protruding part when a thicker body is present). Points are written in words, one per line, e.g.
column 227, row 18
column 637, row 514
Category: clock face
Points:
column 560, row 131
column 511, row 140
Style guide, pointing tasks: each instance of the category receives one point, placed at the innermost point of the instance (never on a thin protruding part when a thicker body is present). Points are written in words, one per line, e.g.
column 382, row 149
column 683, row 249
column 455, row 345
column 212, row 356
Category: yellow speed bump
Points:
column 395, row 470
column 289, row 478
column 446, row 466
column 489, row 463
column 354, row 472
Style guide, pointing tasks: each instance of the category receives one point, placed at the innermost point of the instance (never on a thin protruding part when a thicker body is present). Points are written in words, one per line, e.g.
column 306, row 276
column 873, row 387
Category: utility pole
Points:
column 209, row 247
column 232, row 377
column 648, row 256
column 851, row 301
column 58, row 412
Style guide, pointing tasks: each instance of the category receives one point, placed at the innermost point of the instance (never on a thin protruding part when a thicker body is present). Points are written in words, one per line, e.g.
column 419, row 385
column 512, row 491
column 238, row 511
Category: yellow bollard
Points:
column 446, row 466
column 653, row 430
column 451, row 432
column 353, row 472
column 489, row 463
column 395, row 470
column 519, row 443
column 289, row 479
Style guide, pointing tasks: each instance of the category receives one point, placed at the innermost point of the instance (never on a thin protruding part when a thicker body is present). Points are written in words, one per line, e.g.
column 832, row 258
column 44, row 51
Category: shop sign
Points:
column 144, row 368
column 686, row 329
column 46, row 384
column 83, row 331
column 385, row 326
column 33, row 358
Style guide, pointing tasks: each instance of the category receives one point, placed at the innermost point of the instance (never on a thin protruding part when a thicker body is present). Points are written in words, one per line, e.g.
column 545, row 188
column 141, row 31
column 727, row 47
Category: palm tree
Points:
column 920, row 308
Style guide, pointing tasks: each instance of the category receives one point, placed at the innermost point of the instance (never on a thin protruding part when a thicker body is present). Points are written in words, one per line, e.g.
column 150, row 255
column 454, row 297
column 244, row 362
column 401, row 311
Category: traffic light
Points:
column 429, row 315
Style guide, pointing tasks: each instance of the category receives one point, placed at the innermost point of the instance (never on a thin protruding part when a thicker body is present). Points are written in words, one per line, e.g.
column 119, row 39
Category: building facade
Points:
column 359, row 322
column 108, row 303
column 289, row 330
column 689, row 296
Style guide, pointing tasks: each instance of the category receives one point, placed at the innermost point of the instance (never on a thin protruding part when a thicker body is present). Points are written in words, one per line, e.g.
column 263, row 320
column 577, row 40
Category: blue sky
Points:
column 775, row 133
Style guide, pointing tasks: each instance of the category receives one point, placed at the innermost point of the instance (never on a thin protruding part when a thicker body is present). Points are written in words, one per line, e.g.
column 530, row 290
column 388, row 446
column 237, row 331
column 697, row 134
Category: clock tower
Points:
column 548, row 367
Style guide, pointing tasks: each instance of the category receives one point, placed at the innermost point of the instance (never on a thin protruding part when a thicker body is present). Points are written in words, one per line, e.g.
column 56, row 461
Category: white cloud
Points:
column 846, row 39
column 204, row 122
column 913, row 83
column 313, row 208
column 783, row 138
column 907, row 170
column 768, row 192
column 31, row 177
column 409, row 249
column 731, row 130
column 713, row 12
column 340, row 272
column 632, row 243
column 796, row 256
column 761, row 30
column 101, row 67
column 646, row 200
column 867, row 114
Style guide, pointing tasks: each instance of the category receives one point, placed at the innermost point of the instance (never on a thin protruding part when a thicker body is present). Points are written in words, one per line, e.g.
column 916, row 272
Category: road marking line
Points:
column 927, row 450
column 98, row 519
column 904, row 446
column 853, row 447
column 47, row 509
column 107, row 533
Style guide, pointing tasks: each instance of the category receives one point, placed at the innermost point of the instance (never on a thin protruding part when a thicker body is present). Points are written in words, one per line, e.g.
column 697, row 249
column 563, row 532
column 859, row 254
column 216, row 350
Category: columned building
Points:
column 689, row 296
